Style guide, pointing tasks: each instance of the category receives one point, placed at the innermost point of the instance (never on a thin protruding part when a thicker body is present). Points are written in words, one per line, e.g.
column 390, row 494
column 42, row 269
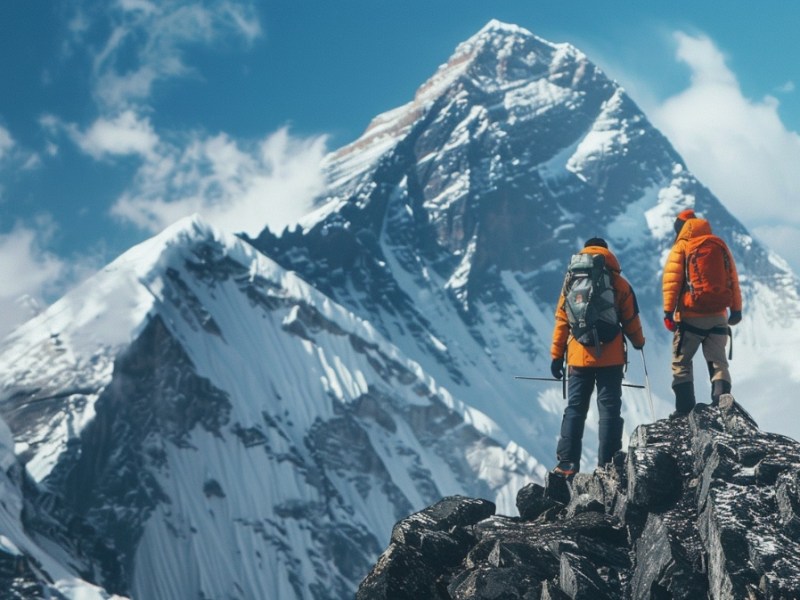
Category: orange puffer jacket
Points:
column 675, row 273
column 613, row 352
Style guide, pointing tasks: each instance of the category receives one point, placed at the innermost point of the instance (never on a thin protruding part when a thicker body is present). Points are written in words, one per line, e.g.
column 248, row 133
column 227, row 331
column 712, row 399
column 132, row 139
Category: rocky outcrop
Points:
column 705, row 506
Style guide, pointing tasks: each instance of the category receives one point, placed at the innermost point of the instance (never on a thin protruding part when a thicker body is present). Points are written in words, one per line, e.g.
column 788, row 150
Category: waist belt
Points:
column 704, row 333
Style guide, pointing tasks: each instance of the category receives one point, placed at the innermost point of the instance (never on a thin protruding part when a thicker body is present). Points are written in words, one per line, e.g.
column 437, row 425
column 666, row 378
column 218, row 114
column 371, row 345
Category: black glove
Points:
column 557, row 368
column 736, row 316
column 635, row 347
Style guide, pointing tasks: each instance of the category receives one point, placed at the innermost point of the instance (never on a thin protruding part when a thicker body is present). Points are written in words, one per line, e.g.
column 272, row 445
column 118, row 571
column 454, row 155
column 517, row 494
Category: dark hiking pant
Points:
column 582, row 381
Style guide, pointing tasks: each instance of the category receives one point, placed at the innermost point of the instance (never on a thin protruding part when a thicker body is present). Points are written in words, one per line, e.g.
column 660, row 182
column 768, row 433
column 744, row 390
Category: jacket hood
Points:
column 611, row 260
column 694, row 228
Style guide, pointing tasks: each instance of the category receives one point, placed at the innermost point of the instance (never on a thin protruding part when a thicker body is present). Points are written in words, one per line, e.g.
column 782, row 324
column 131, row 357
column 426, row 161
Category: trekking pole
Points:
column 630, row 385
column 647, row 383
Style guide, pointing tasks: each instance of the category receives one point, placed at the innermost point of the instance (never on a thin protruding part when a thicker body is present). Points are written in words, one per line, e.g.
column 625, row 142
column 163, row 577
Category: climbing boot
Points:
column 684, row 399
column 566, row 469
column 719, row 387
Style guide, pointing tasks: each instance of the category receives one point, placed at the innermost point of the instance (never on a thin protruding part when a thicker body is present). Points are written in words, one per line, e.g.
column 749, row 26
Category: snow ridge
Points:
column 239, row 376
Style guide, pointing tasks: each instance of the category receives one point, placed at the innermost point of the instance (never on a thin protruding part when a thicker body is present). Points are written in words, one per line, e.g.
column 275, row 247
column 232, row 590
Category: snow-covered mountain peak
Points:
column 498, row 27
column 475, row 194
column 254, row 415
column 502, row 56
column 202, row 392
column 495, row 43
column 71, row 346
column 109, row 292
column 506, row 107
column 502, row 67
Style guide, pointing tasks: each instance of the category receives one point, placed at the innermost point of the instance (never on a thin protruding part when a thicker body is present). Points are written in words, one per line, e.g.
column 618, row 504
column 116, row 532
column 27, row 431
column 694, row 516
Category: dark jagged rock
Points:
column 401, row 574
column 653, row 477
column 704, row 507
column 491, row 583
column 428, row 544
column 788, row 496
column 579, row 579
column 532, row 502
column 20, row 578
column 556, row 488
column 449, row 513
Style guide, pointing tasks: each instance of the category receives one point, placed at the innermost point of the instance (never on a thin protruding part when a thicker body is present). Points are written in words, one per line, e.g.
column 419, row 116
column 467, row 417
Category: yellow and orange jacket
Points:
column 611, row 353
column 675, row 273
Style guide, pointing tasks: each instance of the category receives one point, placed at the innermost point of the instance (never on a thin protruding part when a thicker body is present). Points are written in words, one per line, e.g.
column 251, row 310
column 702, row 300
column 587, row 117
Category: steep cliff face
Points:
column 701, row 507
column 41, row 556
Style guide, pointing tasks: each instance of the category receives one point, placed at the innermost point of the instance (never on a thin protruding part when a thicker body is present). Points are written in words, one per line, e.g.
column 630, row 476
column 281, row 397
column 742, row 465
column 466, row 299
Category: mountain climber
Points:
column 592, row 360
column 700, row 287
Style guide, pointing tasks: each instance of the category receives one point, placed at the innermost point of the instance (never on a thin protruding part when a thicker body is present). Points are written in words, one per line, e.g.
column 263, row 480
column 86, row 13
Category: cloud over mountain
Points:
column 738, row 146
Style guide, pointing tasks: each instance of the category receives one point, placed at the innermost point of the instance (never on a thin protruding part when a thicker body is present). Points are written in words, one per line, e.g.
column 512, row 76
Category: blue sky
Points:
column 118, row 117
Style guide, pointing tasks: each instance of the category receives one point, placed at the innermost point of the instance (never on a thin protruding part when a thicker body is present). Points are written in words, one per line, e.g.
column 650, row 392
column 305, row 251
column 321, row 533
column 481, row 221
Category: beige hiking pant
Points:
column 686, row 343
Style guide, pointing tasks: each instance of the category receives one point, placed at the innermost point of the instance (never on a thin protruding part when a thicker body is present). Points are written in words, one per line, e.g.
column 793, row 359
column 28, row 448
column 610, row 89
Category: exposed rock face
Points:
column 701, row 507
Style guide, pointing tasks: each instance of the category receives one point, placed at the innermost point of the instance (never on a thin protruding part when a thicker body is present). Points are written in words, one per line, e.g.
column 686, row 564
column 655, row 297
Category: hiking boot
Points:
column 684, row 397
column 565, row 469
column 718, row 388
column 679, row 414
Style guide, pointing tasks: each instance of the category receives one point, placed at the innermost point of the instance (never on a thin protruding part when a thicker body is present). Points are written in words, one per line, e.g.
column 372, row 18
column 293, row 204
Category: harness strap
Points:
column 704, row 333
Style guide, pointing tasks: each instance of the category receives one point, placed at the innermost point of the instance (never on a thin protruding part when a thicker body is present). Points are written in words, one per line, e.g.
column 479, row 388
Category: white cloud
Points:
column 236, row 187
column 34, row 276
column 126, row 134
column 240, row 186
column 737, row 146
column 138, row 5
column 6, row 143
column 148, row 40
column 33, row 162
column 13, row 156
column 27, row 272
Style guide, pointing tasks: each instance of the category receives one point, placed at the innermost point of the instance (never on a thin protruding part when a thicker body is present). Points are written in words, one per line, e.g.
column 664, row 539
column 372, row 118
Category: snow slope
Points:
column 236, row 429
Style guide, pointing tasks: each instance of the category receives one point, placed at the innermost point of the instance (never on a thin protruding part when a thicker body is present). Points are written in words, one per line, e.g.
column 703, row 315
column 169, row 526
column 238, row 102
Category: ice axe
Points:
column 563, row 380
column 630, row 385
column 647, row 382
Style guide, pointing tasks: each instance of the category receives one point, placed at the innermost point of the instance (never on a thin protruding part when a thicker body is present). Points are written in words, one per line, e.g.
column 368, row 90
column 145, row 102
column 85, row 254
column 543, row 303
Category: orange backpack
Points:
column 708, row 286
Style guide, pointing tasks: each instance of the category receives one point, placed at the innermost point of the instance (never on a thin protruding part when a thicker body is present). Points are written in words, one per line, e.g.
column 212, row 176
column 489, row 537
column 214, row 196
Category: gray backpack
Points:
column 589, row 300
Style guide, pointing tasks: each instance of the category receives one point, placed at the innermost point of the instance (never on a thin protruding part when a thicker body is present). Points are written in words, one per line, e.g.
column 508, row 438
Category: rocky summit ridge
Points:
column 701, row 507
